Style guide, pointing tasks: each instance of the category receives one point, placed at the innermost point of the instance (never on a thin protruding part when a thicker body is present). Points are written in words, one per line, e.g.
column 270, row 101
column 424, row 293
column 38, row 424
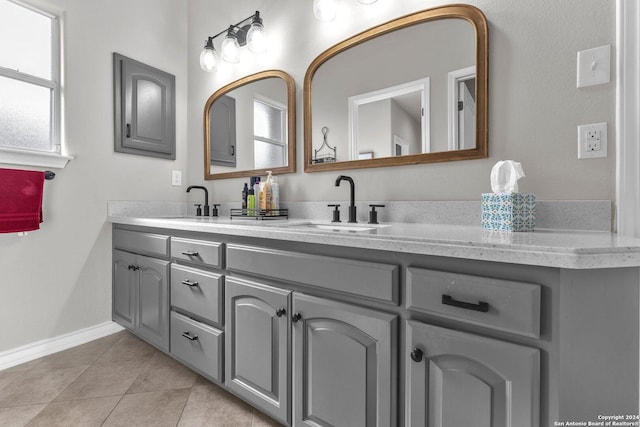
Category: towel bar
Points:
column 48, row 175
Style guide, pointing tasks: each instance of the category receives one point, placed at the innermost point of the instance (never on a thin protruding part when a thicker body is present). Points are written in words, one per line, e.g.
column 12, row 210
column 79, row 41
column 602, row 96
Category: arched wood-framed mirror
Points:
column 428, row 64
column 261, row 136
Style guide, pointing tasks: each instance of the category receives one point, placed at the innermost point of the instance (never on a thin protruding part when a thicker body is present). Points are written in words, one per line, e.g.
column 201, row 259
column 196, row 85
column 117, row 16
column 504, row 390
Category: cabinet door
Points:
column 124, row 289
column 344, row 373
column 144, row 108
column 153, row 301
column 460, row 379
column 256, row 330
column 223, row 131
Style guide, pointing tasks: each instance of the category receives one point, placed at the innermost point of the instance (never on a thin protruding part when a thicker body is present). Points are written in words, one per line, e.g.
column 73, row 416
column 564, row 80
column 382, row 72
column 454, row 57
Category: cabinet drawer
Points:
column 145, row 243
column 197, row 345
column 198, row 292
column 197, row 251
column 495, row 303
column 367, row 279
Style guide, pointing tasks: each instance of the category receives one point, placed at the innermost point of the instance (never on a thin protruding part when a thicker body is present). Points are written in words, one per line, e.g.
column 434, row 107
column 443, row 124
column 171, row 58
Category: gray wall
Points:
column 534, row 104
column 58, row 279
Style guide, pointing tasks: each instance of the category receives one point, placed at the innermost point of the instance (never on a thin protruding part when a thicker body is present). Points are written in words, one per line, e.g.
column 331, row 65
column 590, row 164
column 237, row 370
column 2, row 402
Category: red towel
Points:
column 20, row 200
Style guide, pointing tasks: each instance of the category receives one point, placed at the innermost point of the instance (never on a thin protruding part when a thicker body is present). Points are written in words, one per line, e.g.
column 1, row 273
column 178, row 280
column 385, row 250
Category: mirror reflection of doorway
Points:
column 462, row 108
column 376, row 117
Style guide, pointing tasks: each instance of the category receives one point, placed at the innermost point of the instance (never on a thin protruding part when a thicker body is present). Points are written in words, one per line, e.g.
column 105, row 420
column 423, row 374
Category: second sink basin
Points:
column 338, row 227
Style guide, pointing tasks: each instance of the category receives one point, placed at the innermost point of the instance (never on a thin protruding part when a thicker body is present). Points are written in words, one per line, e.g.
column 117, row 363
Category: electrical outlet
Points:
column 176, row 178
column 592, row 141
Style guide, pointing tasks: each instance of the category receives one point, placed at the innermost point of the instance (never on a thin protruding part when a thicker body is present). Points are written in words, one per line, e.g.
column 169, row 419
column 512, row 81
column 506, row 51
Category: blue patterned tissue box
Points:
column 509, row 211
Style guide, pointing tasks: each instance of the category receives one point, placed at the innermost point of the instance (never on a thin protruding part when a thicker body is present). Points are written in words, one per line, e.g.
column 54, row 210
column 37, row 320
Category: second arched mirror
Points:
column 412, row 90
column 249, row 127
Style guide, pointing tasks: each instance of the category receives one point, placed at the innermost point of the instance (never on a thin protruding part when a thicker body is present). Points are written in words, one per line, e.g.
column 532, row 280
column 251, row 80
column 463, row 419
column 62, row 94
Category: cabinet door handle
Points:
column 480, row 306
column 128, row 130
column 189, row 283
column 296, row 317
column 190, row 253
column 416, row 355
column 133, row 267
column 188, row 336
column 281, row 312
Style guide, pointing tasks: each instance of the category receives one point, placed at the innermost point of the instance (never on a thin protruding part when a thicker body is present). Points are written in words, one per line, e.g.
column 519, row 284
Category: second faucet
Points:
column 352, row 204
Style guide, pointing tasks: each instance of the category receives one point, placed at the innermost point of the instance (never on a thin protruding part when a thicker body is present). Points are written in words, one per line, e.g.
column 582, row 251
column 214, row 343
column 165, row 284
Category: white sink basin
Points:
column 338, row 227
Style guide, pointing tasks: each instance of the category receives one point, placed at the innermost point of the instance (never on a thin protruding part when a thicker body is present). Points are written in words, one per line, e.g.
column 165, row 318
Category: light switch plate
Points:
column 176, row 178
column 594, row 66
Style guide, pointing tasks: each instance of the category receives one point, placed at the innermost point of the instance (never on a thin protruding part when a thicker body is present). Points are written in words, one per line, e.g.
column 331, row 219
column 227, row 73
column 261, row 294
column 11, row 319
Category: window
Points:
column 269, row 130
column 30, row 86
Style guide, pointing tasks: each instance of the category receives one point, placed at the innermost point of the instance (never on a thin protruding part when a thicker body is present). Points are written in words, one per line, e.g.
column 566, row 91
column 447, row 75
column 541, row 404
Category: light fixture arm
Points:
column 238, row 29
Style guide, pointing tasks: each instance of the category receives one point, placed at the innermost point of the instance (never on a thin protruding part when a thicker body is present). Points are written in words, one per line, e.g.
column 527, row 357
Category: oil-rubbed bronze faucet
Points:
column 352, row 204
column 206, row 197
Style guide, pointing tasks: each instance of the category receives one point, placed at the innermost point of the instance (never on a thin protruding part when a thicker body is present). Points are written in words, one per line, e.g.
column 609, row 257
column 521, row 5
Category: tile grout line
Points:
column 184, row 407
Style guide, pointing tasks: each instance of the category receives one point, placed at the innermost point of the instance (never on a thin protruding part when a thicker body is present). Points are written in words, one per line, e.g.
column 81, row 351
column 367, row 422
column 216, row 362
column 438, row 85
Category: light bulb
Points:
column 256, row 37
column 230, row 48
column 367, row 1
column 209, row 58
column 324, row 10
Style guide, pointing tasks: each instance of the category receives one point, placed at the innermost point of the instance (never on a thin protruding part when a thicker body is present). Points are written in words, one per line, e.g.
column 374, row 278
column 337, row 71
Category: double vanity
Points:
column 392, row 324
column 324, row 324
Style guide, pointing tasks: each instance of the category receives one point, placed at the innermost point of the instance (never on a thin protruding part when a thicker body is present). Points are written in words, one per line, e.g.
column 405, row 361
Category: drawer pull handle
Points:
column 296, row 317
column 480, row 306
column 190, row 253
column 416, row 355
column 188, row 336
column 189, row 283
column 281, row 312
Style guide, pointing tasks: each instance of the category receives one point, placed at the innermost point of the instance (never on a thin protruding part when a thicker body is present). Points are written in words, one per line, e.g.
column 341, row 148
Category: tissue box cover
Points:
column 508, row 211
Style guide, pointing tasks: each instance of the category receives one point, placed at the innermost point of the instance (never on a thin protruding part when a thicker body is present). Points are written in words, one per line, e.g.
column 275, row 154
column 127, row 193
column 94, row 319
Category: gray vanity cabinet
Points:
column 140, row 296
column 257, row 351
column 124, row 288
column 343, row 369
column 461, row 379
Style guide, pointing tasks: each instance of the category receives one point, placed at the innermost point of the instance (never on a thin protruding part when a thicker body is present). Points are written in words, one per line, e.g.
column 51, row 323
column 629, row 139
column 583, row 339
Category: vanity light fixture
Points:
column 249, row 31
column 325, row 10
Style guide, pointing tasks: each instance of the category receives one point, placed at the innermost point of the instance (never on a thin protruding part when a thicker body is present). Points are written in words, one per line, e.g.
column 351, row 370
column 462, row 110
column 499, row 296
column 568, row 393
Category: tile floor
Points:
column 118, row 380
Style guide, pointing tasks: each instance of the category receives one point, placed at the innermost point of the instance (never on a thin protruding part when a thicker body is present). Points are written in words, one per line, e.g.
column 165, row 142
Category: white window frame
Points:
column 284, row 127
column 26, row 157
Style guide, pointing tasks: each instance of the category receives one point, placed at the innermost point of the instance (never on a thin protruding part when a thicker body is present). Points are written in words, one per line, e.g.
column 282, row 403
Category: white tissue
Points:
column 505, row 175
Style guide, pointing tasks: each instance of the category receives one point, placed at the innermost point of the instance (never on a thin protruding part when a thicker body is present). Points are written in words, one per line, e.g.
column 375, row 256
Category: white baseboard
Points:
column 38, row 349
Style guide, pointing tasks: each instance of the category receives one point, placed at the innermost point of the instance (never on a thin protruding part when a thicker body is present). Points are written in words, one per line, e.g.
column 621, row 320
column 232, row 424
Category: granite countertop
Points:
column 543, row 247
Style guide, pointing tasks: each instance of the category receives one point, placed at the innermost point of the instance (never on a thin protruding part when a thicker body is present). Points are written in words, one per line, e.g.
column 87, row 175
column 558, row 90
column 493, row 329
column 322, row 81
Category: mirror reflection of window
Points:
column 269, row 134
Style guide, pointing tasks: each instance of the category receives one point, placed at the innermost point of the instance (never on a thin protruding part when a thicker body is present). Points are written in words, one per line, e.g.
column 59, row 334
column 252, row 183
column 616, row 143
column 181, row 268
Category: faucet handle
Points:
column 214, row 211
column 198, row 209
column 336, row 213
column 373, row 215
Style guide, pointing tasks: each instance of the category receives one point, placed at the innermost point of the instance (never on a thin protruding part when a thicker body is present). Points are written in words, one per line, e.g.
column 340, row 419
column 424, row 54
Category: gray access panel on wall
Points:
column 144, row 109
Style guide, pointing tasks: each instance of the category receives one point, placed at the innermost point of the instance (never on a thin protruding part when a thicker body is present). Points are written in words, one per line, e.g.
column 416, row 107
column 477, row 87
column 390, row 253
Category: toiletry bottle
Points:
column 275, row 196
column 256, row 189
column 245, row 193
column 262, row 201
column 251, row 203
column 268, row 194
